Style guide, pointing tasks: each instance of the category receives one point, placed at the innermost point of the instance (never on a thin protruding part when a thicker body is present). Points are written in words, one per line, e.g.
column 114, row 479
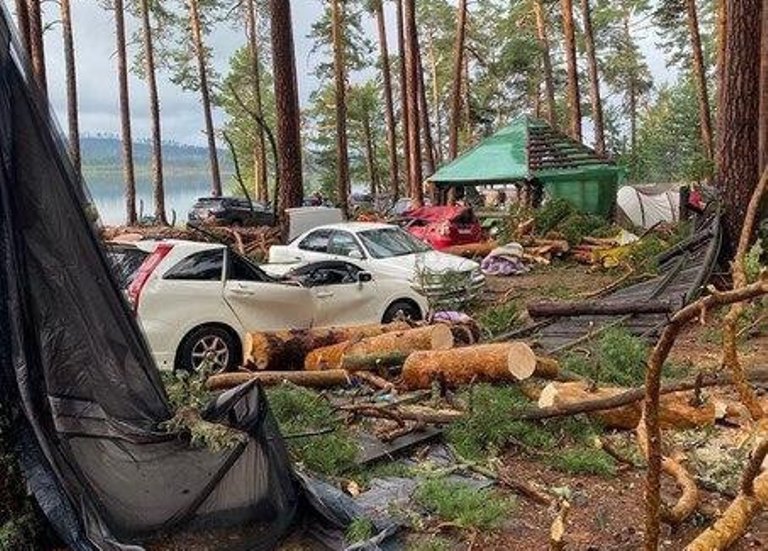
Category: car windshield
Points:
column 389, row 242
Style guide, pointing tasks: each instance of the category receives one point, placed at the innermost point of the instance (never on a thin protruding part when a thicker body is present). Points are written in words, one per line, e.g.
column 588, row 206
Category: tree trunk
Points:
column 36, row 45
column 158, row 186
column 549, row 86
column 389, row 109
column 280, row 350
column 69, row 62
column 202, row 70
column 700, row 76
column 415, row 176
column 507, row 362
column 22, row 21
column 340, row 79
column 261, row 192
column 594, row 79
column 436, row 103
column 125, row 116
column 763, row 131
column 431, row 337
column 370, row 154
column 404, row 113
column 544, row 309
column 426, row 126
column 737, row 143
column 289, row 174
column 458, row 66
column 722, row 11
column 312, row 379
column 574, row 101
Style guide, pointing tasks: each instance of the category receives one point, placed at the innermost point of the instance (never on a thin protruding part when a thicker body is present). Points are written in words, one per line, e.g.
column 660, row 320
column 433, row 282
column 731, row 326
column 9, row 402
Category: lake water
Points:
column 181, row 191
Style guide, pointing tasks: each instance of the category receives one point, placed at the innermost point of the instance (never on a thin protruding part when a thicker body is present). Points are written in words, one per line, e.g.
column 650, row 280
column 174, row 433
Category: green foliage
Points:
column 617, row 358
column 360, row 529
column 551, row 214
column 496, row 320
column 298, row 411
column 583, row 460
column 429, row 543
column 578, row 225
column 465, row 506
column 488, row 428
column 753, row 263
column 644, row 253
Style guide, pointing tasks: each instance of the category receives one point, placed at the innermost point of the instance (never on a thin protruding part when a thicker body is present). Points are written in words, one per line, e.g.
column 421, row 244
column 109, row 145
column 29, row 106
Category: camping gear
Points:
column 530, row 152
column 646, row 206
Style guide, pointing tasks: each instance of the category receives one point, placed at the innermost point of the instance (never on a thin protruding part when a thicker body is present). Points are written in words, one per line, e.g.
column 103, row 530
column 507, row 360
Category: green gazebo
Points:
column 529, row 152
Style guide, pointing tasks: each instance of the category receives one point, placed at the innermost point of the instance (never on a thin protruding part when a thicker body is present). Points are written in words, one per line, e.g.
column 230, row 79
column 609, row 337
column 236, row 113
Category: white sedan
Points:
column 389, row 253
column 195, row 301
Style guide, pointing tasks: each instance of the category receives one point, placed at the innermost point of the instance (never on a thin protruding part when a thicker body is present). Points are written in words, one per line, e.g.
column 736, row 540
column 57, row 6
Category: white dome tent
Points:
column 646, row 206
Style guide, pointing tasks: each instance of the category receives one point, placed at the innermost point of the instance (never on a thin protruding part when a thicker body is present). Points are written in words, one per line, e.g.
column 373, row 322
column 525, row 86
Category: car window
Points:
column 124, row 263
column 327, row 273
column 242, row 270
column 202, row 266
column 391, row 242
column 343, row 244
column 317, row 241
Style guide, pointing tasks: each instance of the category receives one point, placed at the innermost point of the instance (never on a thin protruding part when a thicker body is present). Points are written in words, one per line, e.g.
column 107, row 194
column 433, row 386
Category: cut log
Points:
column 317, row 379
column 486, row 362
column 431, row 337
column 373, row 361
column 675, row 410
column 472, row 250
column 545, row 309
column 286, row 350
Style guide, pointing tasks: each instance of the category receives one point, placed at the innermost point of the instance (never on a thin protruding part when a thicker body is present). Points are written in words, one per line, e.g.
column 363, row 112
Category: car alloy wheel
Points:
column 210, row 352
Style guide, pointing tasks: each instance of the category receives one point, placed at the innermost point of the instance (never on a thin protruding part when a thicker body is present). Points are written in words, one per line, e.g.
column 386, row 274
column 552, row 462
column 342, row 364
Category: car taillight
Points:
column 144, row 271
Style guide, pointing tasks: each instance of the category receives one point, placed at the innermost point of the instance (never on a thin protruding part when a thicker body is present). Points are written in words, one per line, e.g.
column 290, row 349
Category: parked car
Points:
column 231, row 211
column 195, row 301
column 389, row 253
column 444, row 226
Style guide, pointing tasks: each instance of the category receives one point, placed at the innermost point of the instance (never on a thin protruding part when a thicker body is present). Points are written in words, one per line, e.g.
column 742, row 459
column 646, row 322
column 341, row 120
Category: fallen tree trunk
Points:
column 430, row 337
column 513, row 361
column 631, row 396
column 545, row 309
column 472, row 250
column 284, row 350
column 675, row 411
column 316, row 379
column 374, row 361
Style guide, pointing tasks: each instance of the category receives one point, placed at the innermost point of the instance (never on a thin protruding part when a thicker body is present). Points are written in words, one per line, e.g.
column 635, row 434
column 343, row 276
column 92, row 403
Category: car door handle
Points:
column 242, row 292
column 324, row 294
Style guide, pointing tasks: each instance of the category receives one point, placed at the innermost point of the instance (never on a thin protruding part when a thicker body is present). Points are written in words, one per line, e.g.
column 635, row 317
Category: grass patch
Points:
column 580, row 460
column 467, row 507
column 360, row 529
column 617, row 358
column 429, row 543
column 499, row 319
column 488, row 428
column 299, row 410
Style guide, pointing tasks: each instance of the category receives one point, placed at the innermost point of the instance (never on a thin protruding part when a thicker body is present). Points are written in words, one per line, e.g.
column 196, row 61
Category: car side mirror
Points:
column 364, row 277
column 357, row 255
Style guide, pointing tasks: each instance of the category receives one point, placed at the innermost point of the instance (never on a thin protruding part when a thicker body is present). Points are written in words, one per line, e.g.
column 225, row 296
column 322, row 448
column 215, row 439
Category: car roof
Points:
column 354, row 227
column 149, row 245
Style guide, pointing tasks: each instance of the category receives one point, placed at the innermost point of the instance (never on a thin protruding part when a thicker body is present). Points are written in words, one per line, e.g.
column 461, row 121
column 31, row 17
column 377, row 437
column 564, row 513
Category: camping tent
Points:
column 531, row 151
column 646, row 206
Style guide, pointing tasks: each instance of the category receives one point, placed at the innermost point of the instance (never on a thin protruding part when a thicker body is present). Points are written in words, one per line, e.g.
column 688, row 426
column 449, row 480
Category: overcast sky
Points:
column 181, row 114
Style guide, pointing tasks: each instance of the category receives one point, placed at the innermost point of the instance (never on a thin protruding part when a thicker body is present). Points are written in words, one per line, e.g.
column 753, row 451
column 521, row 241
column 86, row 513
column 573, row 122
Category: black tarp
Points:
column 87, row 396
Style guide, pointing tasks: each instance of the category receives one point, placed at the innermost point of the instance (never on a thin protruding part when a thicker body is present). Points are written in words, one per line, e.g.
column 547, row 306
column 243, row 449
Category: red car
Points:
column 445, row 226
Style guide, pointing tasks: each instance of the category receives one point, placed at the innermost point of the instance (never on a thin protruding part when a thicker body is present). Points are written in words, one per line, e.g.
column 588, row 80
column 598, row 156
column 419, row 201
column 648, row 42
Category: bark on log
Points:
column 675, row 410
column 486, row 362
column 545, row 309
column 431, row 337
column 373, row 361
column 316, row 379
column 285, row 350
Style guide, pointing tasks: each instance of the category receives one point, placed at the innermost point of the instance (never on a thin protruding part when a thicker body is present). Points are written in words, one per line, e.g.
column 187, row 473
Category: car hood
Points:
column 433, row 261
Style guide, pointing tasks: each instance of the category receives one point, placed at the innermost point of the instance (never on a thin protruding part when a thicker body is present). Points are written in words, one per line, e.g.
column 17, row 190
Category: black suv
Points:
column 231, row 211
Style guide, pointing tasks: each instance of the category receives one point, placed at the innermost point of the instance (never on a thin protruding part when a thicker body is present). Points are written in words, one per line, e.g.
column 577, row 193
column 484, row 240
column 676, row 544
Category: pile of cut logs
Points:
column 537, row 251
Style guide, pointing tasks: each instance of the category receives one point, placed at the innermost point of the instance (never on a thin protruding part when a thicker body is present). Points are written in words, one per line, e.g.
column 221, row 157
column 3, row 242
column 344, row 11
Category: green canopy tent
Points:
column 529, row 151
